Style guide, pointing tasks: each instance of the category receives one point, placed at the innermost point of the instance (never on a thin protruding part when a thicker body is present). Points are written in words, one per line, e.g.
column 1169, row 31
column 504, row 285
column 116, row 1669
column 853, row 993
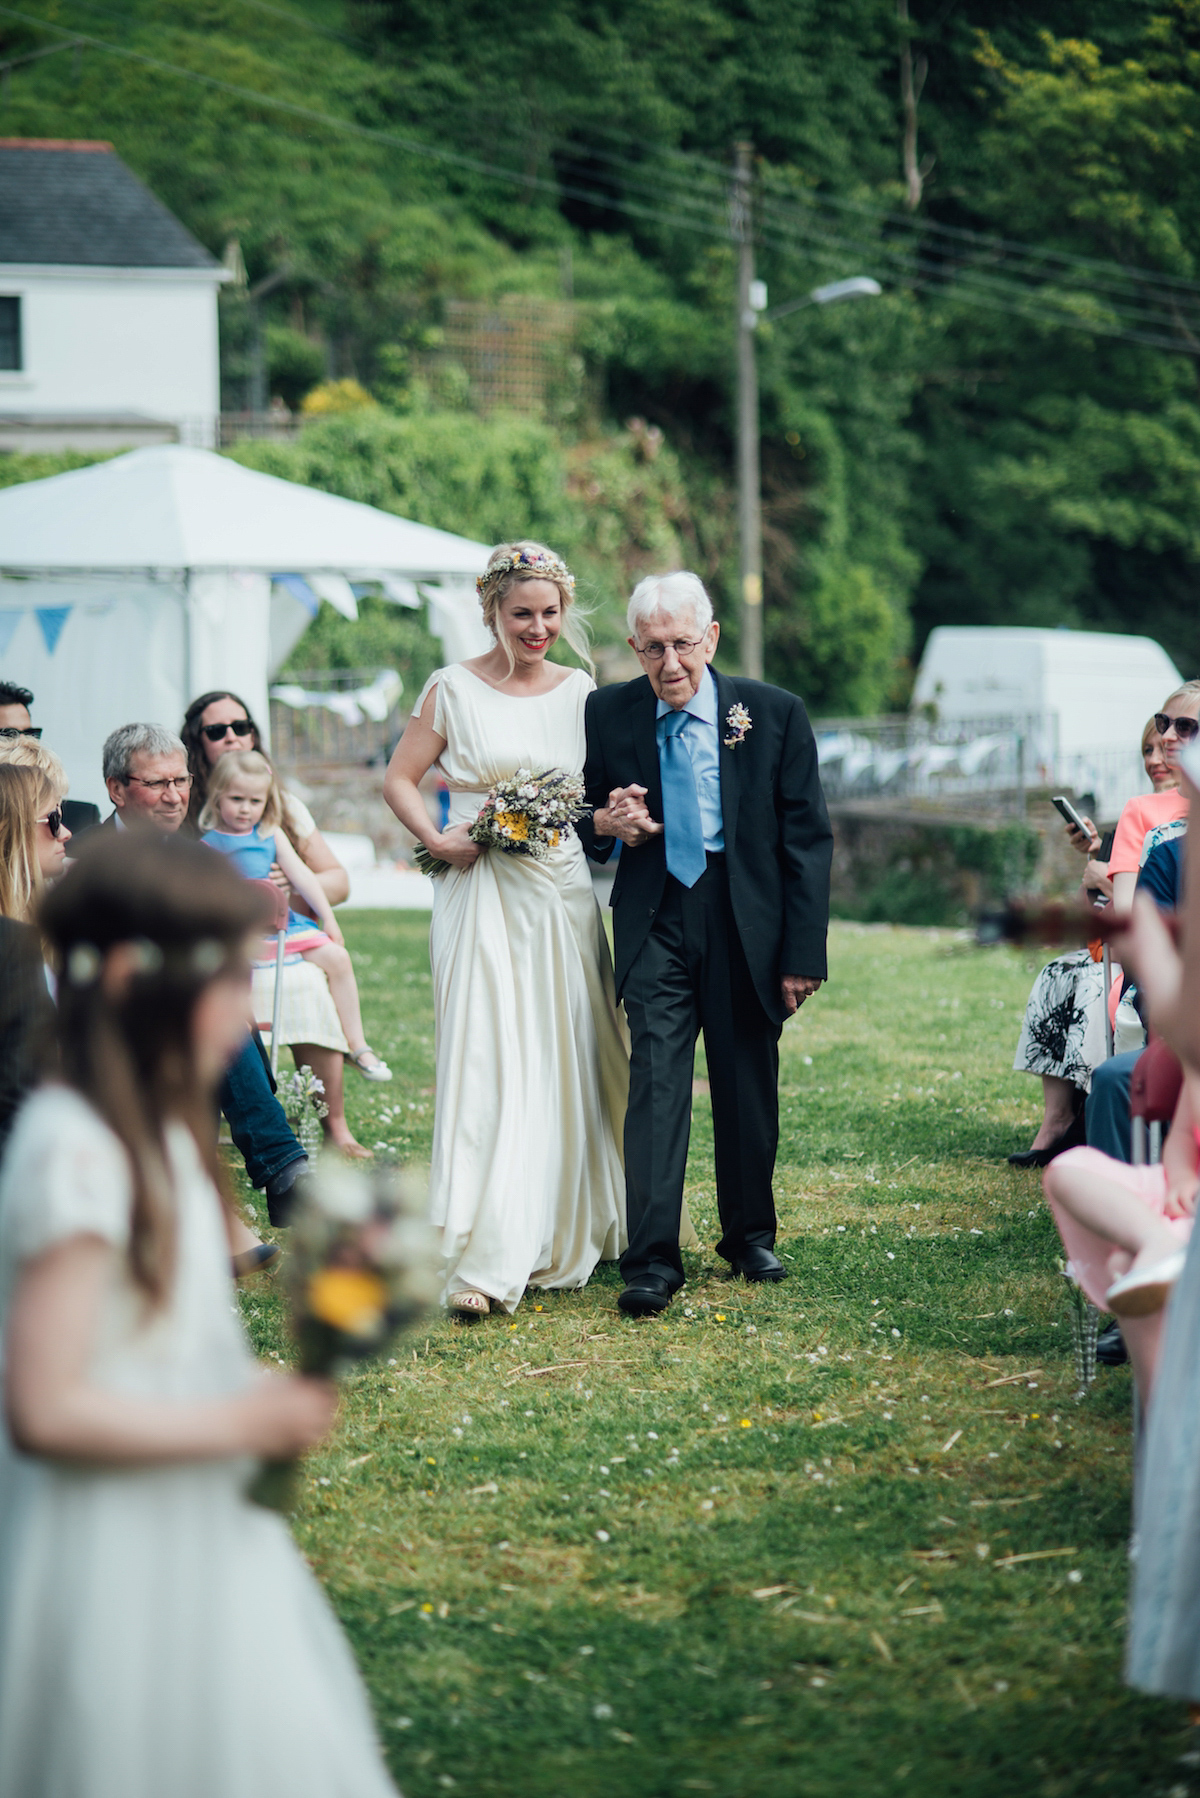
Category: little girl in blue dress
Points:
column 243, row 819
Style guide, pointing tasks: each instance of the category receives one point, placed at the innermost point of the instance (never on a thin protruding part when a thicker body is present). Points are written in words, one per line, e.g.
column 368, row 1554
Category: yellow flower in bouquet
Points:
column 349, row 1299
column 514, row 825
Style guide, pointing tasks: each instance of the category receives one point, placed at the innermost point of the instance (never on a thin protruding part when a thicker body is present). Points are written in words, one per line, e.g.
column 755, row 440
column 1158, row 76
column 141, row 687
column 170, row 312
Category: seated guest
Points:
column 243, row 820
column 1054, row 1040
column 218, row 724
column 1125, row 1228
column 1164, row 1640
column 16, row 723
column 31, row 852
column 146, row 773
column 1145, row 823
column 33, row 837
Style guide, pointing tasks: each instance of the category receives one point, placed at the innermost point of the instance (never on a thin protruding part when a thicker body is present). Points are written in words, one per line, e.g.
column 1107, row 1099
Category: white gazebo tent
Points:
column 128, row 587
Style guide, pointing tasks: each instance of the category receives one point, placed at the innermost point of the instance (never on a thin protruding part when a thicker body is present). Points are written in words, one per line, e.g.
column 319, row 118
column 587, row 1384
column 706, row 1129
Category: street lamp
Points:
column 751, row 306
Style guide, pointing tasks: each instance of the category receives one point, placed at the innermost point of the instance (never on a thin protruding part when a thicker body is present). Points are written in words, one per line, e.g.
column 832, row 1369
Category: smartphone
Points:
column 1065, row 809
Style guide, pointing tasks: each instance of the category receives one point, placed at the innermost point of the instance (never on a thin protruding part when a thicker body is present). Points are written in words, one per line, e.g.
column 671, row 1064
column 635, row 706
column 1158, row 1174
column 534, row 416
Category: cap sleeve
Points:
column 299, row 820
column 64, row 1174
column 437, row 679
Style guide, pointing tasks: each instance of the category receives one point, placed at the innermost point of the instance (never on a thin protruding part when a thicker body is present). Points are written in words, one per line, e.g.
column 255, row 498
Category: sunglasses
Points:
column 17, row 730
column 241, row 727
column 53, row 821
column 1185, row 728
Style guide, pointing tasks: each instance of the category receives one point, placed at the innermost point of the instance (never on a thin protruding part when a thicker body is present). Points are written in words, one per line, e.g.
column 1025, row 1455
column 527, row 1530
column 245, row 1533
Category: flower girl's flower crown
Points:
column 534, row 562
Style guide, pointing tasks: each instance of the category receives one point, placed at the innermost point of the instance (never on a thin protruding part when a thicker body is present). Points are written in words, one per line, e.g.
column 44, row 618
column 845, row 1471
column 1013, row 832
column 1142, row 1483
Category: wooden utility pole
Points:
column 749, row 501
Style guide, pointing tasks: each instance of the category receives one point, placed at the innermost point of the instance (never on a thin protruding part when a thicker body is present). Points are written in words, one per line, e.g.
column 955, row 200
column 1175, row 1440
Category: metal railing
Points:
column 326, row 730
column 911, row 757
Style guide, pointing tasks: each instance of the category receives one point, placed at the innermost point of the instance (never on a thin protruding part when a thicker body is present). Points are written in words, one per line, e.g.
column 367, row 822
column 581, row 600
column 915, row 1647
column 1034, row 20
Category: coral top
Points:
column 1148, row 813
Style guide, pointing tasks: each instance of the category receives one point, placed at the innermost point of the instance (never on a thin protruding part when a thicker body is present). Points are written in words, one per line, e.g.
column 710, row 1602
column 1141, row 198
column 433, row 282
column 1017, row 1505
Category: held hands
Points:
column 625, row 816
column 287, row 1414
column 455, row 846
column 796, row 988
column 278, row 878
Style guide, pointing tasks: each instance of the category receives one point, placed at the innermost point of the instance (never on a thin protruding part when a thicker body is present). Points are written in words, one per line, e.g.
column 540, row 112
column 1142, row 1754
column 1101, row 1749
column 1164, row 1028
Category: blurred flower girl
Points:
column 160, row 1636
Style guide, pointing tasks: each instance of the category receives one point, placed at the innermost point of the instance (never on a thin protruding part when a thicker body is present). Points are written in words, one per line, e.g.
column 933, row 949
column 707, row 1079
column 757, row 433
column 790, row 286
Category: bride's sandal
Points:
column 468, row 1304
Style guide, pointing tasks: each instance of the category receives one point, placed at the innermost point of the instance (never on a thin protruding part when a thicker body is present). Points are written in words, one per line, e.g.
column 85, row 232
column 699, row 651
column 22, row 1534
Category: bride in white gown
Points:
column 532, row 1068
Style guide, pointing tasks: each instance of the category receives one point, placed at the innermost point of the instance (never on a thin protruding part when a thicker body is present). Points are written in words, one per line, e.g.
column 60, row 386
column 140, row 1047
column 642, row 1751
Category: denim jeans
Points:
column 256, row 1118
column 1108, row 1107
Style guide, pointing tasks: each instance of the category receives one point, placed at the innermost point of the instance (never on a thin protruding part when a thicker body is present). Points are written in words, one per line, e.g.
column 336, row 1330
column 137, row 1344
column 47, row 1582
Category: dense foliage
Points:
column 1011, row 433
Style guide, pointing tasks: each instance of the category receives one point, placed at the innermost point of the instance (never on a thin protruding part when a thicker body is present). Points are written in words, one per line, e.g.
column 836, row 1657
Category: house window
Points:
column 10, row 333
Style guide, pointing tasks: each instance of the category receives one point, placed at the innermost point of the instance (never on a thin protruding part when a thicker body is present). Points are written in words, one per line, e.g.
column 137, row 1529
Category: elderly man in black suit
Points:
column 721, row 907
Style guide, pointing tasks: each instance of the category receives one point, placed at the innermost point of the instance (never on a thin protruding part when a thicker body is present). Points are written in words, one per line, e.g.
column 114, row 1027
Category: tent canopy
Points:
column 129, row 587
column 174, row 508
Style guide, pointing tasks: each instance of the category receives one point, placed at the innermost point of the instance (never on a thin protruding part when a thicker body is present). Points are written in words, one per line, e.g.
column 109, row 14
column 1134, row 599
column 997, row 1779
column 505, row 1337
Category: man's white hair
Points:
column 669, row 596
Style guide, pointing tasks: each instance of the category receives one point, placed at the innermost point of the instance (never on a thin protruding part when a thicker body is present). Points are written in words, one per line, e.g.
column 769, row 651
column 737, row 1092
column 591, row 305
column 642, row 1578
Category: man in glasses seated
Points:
column 146, row 773
column 16, row 723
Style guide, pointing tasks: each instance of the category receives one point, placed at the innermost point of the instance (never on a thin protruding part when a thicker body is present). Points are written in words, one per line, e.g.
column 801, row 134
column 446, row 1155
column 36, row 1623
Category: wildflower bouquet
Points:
column 359, row 1269
column 304, row 1106
column 528, row 814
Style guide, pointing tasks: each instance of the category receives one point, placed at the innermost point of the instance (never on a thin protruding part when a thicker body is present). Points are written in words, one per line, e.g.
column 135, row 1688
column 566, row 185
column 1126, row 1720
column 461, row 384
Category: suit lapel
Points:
column 645, row 743
column 730, row 770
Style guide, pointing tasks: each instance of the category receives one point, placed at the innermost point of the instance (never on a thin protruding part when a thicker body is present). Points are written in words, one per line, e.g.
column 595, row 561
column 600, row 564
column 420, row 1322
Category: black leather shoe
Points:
column 645, row 1296
column 759, row 1264
column 1073, row 1137
column 1110, row 1347
column 282, row 1193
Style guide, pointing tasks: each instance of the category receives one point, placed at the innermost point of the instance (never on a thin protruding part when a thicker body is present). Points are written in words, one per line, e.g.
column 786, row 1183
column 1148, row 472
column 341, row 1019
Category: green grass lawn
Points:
column 847, row 1535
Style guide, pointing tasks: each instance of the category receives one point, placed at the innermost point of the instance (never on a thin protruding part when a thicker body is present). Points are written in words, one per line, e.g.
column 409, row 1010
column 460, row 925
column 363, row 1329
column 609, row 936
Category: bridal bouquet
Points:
column 528, row 814
column 359, row 1269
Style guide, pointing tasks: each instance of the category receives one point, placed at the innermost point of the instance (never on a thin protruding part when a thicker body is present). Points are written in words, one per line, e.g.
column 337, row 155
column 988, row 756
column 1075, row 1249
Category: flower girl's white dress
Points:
column 160, row 1637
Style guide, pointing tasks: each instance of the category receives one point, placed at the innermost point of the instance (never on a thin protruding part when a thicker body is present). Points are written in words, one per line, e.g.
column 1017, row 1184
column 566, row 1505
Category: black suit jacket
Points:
column 80, row 815
column 778, row 841
column 26, row 1018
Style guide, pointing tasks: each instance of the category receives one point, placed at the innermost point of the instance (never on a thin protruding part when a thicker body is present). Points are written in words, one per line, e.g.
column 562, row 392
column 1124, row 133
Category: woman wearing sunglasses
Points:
column 33, row 837
column 1153, row 818
column 214, row 725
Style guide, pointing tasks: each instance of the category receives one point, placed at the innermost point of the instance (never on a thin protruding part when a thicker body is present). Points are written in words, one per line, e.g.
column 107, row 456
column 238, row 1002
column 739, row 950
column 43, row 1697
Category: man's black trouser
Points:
column 691, row 976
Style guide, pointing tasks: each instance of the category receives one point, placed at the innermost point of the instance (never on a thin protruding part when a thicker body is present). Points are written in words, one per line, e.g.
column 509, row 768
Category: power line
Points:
column 786, row 228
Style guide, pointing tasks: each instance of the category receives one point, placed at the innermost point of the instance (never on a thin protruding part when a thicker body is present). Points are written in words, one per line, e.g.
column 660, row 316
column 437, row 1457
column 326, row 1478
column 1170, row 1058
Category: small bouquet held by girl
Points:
column 359, row 1270
column 527, row 814
column 243, row 819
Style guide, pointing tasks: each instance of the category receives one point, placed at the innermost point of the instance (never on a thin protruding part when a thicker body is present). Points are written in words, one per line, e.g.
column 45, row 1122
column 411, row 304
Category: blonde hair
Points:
column 500, row 577
column 23, row 792
column 27, row 752
column 1190, row 690
column 221, row 775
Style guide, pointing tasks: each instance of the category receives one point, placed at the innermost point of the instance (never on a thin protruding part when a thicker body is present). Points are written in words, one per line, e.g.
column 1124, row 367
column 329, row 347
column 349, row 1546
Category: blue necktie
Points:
column 681, row 807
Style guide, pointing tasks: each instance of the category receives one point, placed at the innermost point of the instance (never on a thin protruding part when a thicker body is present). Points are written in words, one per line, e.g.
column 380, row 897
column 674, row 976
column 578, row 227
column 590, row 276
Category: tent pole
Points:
column 188, row 653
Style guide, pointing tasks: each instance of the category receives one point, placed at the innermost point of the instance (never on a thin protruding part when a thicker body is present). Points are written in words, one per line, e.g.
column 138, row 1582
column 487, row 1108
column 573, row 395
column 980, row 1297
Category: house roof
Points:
column 76, row 203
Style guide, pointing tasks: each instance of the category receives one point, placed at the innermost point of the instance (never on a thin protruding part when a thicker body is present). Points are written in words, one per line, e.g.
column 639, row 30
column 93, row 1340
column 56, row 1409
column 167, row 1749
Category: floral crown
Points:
column 534, row 562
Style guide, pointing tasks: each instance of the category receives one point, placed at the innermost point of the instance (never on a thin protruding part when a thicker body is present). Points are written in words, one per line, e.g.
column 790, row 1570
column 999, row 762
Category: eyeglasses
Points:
column 53, row 821
column 654, row 652
column 21, row 730
column 180, row 781
column 241, row 727
column 1185, row 728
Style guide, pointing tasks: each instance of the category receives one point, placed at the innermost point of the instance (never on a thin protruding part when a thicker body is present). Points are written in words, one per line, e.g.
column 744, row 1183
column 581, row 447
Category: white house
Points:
column 108, row 306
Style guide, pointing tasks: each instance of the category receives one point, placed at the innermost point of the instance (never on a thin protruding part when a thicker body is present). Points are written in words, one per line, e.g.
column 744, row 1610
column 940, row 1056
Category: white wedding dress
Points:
column 527, row 1184
column 160, row 1636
